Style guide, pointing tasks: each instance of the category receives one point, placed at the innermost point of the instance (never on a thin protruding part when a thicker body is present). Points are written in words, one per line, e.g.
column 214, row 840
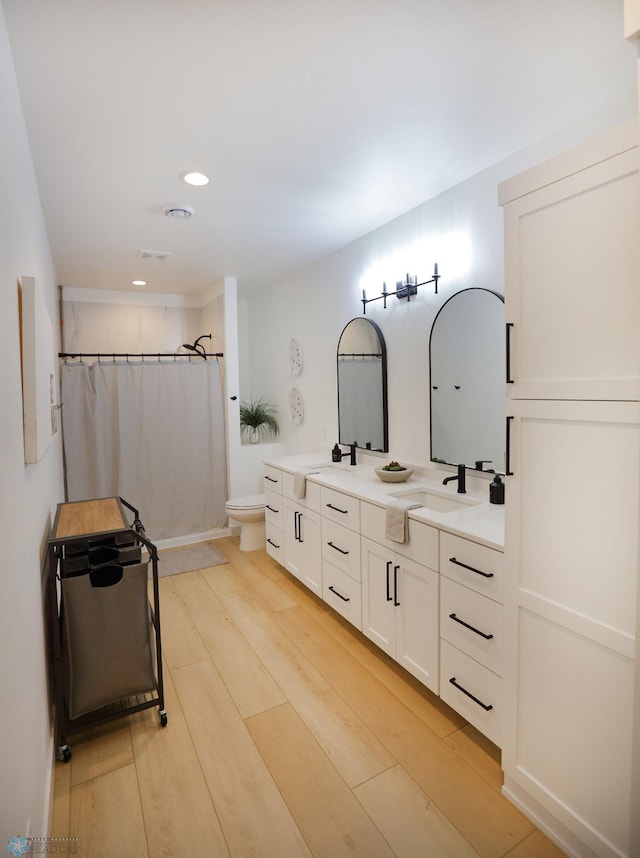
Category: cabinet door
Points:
column 293, row 555
column 378, row 612
column 310, row 536
column 415, row 590
column 572, row 266
column 571, row 556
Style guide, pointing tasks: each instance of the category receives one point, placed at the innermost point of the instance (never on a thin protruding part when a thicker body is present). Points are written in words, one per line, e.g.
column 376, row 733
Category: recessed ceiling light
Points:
column 138, row 282
column 193, row 177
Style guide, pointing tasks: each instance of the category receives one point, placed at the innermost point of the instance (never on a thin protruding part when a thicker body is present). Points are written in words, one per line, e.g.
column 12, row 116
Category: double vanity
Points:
column 432, row 602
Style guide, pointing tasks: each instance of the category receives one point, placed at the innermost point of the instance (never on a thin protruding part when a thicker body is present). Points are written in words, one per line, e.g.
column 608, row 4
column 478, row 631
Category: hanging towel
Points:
column 396, row 524
column 300, row 481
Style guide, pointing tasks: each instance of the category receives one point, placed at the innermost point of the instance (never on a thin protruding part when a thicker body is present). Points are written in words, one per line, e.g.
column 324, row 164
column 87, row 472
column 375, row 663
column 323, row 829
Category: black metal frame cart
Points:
column 104, row 630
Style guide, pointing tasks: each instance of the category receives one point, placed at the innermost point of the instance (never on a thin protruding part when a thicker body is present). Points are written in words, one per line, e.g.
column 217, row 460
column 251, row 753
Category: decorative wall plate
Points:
column 295, row 357
column 296, row 408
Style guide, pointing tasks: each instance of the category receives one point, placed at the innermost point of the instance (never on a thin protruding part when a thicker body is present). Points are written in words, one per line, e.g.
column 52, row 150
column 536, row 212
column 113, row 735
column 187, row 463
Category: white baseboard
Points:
column 191, row 538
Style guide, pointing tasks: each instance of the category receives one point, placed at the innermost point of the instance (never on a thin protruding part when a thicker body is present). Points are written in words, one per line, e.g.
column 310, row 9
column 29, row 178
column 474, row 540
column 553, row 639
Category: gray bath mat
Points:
column 201, row 555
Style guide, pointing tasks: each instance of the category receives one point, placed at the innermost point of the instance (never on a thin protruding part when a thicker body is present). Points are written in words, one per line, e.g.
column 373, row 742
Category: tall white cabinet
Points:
column 572, row 300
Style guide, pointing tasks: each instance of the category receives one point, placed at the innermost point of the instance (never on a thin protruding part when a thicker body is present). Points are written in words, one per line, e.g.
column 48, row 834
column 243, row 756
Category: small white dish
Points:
column 393, row 476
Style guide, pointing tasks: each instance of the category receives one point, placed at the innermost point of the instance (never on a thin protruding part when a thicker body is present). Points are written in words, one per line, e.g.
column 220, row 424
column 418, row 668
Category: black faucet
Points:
column 460, row 477
column 337, row 455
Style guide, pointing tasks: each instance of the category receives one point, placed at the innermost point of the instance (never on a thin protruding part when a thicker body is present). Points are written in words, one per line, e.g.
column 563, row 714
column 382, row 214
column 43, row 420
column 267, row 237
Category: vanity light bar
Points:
column 404, row 289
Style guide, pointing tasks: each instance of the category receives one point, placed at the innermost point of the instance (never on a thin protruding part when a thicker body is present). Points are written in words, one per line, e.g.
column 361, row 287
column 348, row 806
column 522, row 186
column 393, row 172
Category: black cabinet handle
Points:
column 339, row 595
column 471, row 628
column 271, row 542
column 336, row 548
column 270, row 508
column 337, row 509
column 470, row 568
column 388, row 590
column 507, row 455
column 486, row 706
column 297, row 526
column 271, row 480
column 395, row 586
column 509, row 326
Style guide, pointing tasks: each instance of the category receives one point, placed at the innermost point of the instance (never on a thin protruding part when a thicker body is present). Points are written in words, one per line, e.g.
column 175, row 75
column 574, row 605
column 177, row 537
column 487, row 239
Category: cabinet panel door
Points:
column 378, row 617
column 343, row 593
column 572, row 514
column 472, row 623
column 472, row 690
column 341, row 548
column 310, row 536
column 575, row 712
column 572, row 264
column 417, row 631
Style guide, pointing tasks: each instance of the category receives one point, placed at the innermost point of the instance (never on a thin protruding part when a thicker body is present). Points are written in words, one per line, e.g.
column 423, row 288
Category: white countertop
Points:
column 483, row 523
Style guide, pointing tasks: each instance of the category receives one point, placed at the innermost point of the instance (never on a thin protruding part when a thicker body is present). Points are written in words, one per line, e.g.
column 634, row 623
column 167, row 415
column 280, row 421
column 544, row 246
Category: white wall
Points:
column 461, row 230
column 28, row 494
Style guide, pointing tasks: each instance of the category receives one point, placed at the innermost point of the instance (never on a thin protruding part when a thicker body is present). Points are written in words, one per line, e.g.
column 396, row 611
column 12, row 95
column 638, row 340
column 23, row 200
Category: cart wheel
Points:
column 64, row 753
column 163, row 718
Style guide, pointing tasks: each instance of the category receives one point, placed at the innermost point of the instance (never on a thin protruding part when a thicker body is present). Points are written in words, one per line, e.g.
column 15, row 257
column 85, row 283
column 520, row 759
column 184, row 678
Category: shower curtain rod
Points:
column 143, row 355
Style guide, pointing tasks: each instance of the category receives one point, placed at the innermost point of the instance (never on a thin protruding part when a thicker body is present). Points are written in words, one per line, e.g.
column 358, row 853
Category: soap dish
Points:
column 393, row 476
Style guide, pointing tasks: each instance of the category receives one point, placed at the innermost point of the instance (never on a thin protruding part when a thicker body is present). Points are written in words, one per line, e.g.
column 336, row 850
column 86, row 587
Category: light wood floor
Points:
column 289, row 734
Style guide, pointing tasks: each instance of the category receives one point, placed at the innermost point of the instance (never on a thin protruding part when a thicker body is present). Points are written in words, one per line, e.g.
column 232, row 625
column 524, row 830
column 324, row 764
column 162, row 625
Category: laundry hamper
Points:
column 104, row 630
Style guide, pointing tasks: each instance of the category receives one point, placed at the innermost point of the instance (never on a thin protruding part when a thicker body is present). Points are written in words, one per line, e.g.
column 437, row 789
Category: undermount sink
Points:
column 436, row 502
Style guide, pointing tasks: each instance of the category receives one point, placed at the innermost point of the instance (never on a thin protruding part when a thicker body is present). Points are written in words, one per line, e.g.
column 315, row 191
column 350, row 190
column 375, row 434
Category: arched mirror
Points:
column 467, row 381
column 362, row 386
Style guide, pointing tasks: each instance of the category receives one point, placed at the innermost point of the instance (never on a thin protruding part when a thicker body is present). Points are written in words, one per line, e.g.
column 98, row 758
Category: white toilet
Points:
column 248, row 512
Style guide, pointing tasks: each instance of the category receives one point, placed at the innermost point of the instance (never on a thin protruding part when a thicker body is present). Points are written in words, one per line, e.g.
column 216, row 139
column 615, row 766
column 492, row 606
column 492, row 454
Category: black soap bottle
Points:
column 496, row 490
column 336, row 454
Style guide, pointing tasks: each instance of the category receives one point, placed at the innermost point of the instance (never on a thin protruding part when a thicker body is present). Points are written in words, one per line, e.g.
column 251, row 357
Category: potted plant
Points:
column 258, row 421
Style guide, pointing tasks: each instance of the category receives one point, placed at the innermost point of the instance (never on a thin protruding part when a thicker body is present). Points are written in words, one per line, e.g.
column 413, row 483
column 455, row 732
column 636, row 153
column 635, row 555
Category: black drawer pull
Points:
column 271, row 480
column 486, row 706
column 337, row 509
column 508, row 351
column 336, row 548
column 470, row 568
column 271, row 542
column 271, row 509
column 467, row 626
column 339, row 595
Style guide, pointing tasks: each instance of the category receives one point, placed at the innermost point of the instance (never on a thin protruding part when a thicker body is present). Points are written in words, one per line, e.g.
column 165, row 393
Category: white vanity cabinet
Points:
column 274, row 513
column 302, row 529
column 341, row 554
column 572, row 264
column 400, row 595
column 471, row 632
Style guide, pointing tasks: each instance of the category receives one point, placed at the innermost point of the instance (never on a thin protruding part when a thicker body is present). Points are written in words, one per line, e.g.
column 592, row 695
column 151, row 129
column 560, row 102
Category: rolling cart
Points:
column 104, row 631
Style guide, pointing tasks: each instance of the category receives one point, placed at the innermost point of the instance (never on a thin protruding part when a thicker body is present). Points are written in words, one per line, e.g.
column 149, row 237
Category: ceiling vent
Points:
column 154, row 254
column 178, row 212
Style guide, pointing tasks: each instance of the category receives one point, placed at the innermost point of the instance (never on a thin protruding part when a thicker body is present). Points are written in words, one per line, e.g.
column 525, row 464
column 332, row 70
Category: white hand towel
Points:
column 300, row 481
column 396, row 524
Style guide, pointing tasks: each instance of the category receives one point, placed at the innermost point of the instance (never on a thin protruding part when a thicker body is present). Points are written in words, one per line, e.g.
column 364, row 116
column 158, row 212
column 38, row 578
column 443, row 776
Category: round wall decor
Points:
column 296, row 408
column 295, row 357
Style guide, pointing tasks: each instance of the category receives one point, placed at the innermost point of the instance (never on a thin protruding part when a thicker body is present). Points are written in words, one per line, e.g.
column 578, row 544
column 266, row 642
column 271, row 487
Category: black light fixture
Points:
column 404, row 289
column 196, row 347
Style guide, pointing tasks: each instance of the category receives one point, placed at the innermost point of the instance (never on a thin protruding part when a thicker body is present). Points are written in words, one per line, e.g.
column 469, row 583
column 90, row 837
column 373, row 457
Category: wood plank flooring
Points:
column 290, row 734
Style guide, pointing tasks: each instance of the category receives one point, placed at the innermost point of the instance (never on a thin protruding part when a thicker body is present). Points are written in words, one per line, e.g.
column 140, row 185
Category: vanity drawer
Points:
column 472, row 623
column 473, row 565
column 471, row 678
column 273, row 508
column 341, row 548
column 273, row 479
column 275, row 543
column 342, row 508
column 422, row 545
column 342, row 593
column 311, row 497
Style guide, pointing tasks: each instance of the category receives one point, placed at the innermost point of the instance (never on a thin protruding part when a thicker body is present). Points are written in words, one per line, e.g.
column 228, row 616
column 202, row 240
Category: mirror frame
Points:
column 433, row 324
column 383, row 359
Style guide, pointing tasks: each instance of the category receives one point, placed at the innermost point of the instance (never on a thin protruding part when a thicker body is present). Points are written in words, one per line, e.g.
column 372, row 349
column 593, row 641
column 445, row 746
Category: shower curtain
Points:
column 152, row 433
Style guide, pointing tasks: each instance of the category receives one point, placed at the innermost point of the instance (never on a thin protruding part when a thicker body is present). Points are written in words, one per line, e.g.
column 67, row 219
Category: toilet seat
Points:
column 248, row 502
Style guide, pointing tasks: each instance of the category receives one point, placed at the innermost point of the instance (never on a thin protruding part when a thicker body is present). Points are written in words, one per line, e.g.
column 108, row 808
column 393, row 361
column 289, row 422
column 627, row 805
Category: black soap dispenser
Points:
column 336, row 454
column 496, row 490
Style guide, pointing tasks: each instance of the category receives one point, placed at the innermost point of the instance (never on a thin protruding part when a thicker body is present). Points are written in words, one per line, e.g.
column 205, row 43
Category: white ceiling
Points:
column 318, row 120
